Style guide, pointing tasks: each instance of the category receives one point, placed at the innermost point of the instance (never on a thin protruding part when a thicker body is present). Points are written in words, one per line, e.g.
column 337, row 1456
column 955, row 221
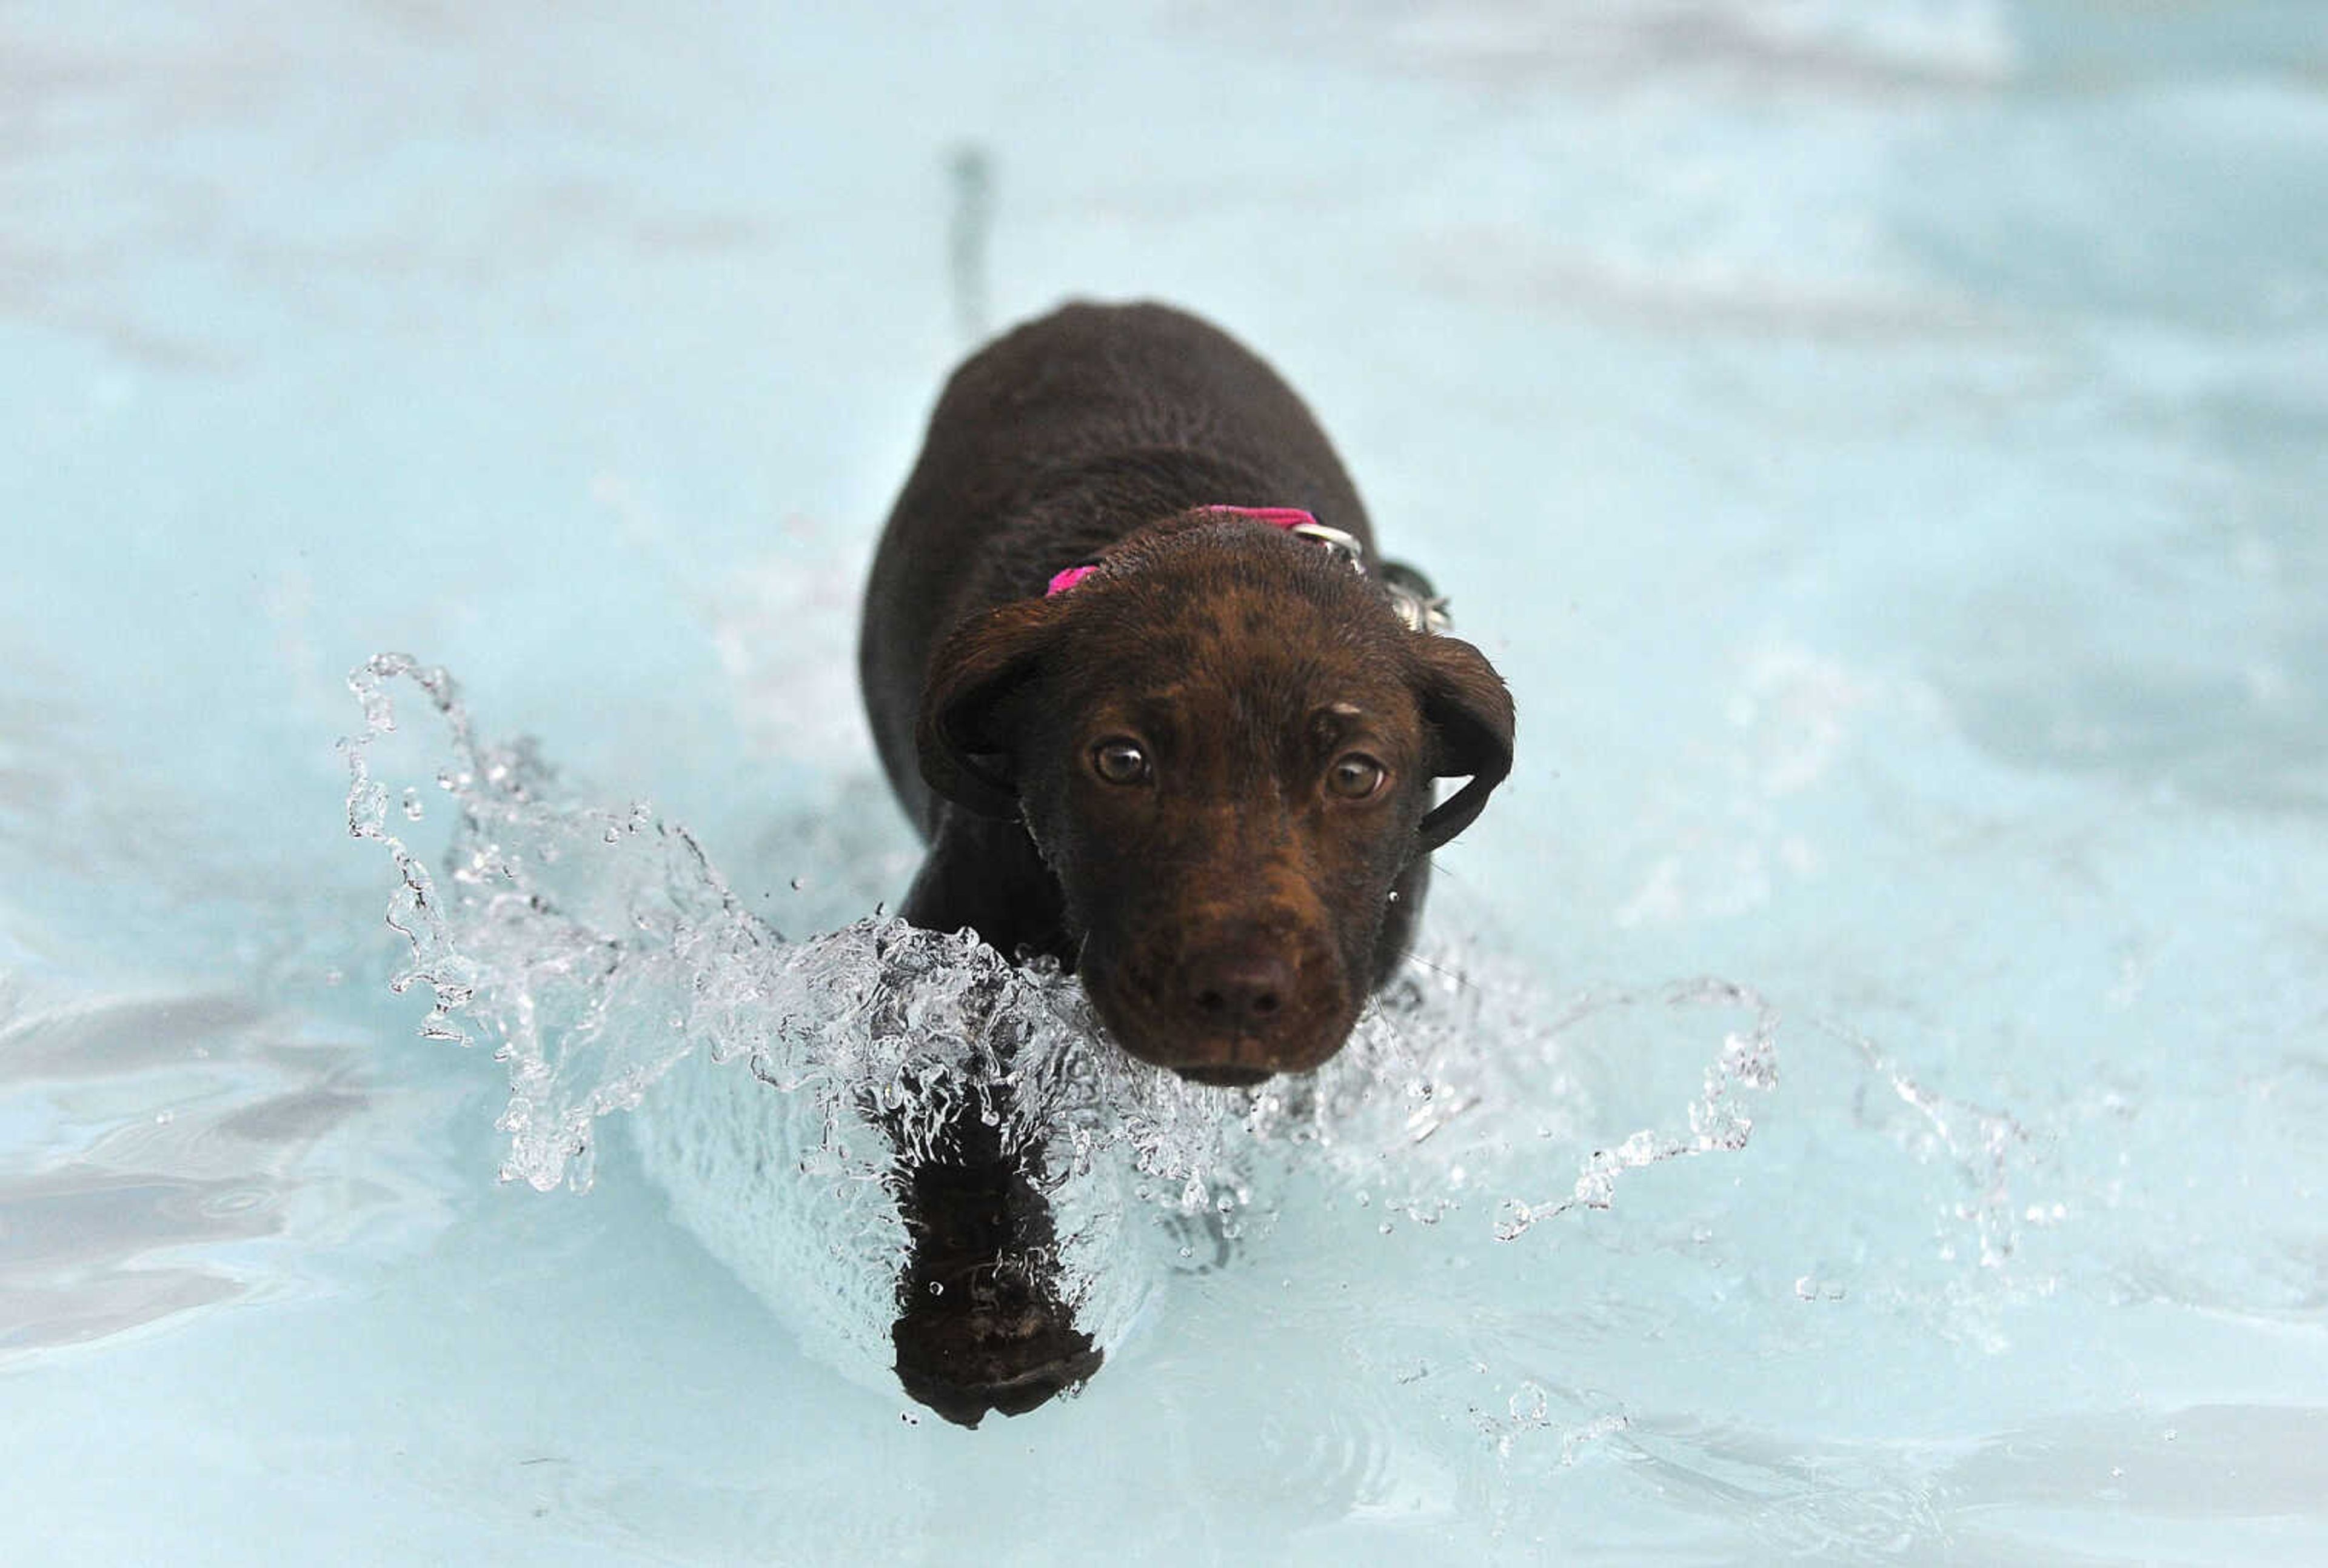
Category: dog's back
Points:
column 1053, row 441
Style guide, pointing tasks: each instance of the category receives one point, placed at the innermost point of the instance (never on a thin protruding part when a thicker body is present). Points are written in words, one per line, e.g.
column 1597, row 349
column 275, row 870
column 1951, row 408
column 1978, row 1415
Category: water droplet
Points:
column 163, row 1118
column 937, row 1287
column 909, row 1418
column 798, row 883
column 412, row 805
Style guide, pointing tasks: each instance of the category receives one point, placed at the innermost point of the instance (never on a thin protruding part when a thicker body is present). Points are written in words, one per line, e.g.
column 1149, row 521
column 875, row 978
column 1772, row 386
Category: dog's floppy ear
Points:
column 964, row 755
column 1469, row 710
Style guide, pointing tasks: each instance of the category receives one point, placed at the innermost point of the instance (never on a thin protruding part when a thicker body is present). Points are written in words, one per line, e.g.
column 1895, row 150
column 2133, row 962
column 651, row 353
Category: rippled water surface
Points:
column 1862, row 1092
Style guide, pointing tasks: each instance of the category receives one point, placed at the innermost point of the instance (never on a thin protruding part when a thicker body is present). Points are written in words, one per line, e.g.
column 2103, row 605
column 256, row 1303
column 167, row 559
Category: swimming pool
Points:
column 1882, row 444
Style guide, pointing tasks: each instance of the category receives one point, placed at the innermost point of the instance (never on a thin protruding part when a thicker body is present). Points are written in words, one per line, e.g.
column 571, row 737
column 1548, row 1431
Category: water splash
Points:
column 595, row 948
column 1982, row 1143
column 612, row 968
column 1718, row 1120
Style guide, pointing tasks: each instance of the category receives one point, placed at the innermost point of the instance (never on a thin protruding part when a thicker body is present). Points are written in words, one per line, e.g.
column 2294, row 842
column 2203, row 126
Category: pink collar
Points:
column 1291, row 518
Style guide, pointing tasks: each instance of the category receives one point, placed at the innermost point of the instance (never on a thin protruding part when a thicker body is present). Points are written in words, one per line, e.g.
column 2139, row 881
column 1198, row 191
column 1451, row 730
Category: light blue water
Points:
column 1882, row 442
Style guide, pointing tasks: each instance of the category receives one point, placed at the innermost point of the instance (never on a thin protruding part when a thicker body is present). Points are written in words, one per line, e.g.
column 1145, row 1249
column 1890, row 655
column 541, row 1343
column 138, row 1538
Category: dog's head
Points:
column 1224, row 743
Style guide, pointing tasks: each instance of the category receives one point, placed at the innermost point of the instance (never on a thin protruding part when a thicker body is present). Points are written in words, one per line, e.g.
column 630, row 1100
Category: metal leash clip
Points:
column 1345, row 546
column 1422, row 607
column 1417, row 602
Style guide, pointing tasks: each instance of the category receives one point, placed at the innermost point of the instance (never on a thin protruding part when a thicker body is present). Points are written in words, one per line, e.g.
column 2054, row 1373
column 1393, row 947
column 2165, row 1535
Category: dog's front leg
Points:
column 980, row 1324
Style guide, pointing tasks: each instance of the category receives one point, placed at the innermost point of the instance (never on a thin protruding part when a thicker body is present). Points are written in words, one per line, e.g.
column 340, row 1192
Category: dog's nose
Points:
column 1240, row 990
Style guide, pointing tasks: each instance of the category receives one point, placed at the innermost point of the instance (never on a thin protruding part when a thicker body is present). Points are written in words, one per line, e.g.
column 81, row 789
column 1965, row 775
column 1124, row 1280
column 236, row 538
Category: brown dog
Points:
column 1199, row 774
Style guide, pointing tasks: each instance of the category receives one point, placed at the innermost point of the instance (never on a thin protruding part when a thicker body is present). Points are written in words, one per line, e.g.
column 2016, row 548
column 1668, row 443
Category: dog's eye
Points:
column 1120, row 762
column 1354, row 777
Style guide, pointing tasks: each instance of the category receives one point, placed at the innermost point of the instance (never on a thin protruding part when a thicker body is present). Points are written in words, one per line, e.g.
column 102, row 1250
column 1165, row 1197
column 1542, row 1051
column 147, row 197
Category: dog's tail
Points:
column 967, row 229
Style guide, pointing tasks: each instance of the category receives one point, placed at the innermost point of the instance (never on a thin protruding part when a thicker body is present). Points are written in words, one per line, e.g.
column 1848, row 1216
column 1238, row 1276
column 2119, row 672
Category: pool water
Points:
column 1864, row 1093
